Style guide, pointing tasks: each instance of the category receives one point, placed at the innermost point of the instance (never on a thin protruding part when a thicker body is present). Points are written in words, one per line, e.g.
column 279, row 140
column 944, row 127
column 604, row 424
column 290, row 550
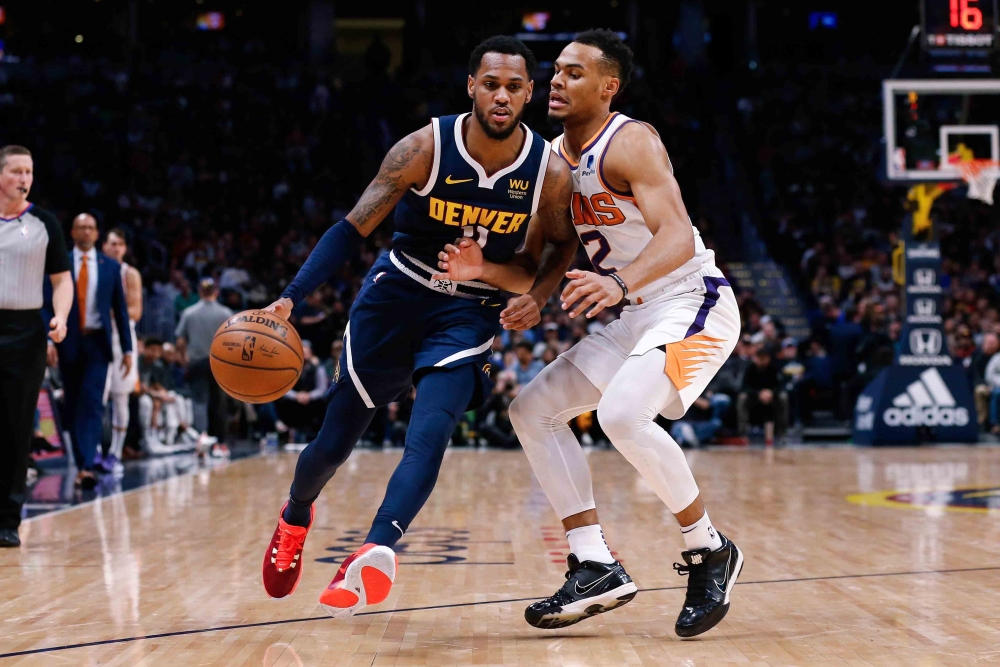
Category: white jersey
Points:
column 609, row 222
column 117, row 383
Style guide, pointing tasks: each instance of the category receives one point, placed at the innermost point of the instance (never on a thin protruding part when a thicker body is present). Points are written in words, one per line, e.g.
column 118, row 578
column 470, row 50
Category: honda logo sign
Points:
column 924, row 277
column 924, row 307
column 926, row 341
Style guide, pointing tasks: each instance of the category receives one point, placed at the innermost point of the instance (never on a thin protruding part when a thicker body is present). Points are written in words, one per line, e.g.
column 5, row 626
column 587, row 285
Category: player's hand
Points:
column 52, row 356
column 57, row 329
column 765, row 395
column 126, row 363
column 521, row 313
column 282, row 308
column 589, row 289
column 462, row 260
column 303, row 398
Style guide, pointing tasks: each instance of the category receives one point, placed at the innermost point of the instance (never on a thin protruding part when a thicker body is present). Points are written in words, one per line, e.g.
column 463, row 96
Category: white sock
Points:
column 587, row 543
column 701, row 535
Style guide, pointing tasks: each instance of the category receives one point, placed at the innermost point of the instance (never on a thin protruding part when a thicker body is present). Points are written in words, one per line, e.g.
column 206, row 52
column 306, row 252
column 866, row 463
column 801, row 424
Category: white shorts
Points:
column 118, row 383
column 698, row 330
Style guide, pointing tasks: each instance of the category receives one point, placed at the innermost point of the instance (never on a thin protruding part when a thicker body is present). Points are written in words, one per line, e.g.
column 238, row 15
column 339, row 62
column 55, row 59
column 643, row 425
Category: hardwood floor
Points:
column 169, row 574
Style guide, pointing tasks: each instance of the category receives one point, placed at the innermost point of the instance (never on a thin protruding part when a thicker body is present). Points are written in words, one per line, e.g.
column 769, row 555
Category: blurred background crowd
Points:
column 225, row 154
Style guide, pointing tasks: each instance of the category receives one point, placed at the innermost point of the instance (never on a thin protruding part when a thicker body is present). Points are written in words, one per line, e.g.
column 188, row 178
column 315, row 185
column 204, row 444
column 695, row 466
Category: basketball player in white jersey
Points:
column 119, row 385
column 679, row 325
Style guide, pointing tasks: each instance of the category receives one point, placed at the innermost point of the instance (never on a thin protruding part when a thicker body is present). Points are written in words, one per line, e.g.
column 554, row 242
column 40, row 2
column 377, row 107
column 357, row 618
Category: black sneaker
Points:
column 590, row 589
column 9, row 538
column 712, row 575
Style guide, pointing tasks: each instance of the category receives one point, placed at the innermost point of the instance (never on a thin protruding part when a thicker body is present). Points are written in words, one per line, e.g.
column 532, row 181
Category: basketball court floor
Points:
column 846, row 565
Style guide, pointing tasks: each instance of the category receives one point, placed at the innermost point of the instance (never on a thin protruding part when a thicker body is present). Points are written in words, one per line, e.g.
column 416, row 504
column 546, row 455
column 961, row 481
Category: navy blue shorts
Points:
column 400, row 329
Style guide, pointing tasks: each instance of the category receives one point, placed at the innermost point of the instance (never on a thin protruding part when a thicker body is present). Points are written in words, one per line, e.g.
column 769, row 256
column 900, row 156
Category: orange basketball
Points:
column 256, row 357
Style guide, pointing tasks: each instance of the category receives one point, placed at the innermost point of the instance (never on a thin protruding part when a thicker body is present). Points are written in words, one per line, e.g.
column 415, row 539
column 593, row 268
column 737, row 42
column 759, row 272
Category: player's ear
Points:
column 612, row 85
column 471, row 87
column 530, row 88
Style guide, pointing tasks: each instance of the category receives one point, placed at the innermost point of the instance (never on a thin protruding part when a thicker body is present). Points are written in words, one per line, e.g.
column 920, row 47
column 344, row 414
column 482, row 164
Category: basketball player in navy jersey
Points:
column 679, row 325
column 482, row 176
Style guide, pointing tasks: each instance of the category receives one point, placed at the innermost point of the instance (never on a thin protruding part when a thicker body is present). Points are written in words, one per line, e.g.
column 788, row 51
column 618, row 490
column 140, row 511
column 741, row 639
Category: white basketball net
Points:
column 981, row 177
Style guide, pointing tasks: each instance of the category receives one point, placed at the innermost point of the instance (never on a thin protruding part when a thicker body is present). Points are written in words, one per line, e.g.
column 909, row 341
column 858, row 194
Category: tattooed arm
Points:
column 407, row 165
column 549, row 247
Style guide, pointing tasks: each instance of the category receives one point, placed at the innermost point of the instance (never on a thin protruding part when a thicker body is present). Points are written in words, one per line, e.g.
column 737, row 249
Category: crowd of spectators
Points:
column 230, row 167
column 812, row 136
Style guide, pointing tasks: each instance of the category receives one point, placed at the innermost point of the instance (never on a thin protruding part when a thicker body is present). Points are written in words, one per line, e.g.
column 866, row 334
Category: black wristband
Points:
column 621, row 283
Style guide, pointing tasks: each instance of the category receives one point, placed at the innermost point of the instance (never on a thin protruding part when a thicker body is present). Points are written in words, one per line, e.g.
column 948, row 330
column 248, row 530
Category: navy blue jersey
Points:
column 461, row 200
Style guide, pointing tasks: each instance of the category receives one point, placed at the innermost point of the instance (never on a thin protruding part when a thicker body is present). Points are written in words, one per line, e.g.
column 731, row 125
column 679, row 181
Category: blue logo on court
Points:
column 426, row 546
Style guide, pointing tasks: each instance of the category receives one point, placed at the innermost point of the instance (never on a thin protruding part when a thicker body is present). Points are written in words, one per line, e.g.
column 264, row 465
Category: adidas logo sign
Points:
column 926, row 402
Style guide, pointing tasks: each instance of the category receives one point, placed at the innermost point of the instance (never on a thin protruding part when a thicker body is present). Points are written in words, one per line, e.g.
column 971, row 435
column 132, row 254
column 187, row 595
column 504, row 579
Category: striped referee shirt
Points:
column 31, row 245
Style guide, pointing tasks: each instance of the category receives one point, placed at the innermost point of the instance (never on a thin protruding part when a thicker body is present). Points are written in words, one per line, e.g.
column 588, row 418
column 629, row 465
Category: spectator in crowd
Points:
column 527, row 367
column 816, row 387
column 845, row 335
column 993, row 379
column 194, row 333
column 495, row 427
column 981, row 388
column 165, row 416
column 790, row 373
column 302, row 408
column 185, row 295
column 759, row 401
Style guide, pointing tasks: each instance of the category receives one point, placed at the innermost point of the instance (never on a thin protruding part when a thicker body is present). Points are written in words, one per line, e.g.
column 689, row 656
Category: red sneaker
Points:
column 283, row 558
column 364, row 578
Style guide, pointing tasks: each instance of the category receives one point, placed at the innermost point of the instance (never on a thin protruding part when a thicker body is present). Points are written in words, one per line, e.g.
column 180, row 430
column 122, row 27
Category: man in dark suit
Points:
column 84, row 355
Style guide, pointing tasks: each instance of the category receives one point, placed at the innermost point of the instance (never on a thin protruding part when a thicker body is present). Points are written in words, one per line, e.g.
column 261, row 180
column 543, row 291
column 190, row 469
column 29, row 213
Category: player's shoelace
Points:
column 698, row 583
column 288, row 544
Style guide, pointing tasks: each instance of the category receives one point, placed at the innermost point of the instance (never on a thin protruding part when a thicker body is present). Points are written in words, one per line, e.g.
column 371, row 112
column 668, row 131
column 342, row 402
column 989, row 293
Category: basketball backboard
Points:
column 927, row 120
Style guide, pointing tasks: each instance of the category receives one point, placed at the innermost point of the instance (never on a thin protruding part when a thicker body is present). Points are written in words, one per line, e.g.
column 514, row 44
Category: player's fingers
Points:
column 595, row 310
column 514, row 319
column 465, row 243
column 452, row 249
column 441, row 276
column 577, row 292
column 575, row 274
column 582, row 307
column 570, row 288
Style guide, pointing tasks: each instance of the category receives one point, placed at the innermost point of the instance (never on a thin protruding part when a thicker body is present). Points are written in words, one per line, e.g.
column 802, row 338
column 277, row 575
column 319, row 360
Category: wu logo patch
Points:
column 248, row 346
column 518, row 188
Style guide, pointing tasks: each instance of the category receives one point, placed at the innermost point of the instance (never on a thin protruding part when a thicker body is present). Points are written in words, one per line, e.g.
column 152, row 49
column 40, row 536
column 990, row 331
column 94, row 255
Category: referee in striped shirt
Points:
column 31, row 245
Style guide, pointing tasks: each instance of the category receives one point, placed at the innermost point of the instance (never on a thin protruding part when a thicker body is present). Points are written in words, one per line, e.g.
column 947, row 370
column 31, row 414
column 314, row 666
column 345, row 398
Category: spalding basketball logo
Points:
column 280, row 328
column 248, row 344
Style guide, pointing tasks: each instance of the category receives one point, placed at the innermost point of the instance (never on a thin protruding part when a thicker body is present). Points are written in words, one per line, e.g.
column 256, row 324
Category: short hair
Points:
column 119, row 232
column 505, row 45
column 152, row 340
column 525, row 345
column 7, row 151
column 617, row 56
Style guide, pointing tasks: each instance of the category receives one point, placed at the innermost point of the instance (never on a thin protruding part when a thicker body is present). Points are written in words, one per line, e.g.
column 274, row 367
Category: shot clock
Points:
column 959, row 25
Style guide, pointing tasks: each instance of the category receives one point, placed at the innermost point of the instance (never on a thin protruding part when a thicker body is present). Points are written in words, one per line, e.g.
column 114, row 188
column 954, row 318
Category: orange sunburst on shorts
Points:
column 684, row 357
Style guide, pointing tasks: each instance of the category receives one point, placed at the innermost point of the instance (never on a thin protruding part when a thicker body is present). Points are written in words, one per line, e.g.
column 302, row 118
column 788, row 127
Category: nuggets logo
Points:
column 487, row 368
column 248, row 345
column 518, row 188
column 278, row 327
column 462, row 215
column 975, row 499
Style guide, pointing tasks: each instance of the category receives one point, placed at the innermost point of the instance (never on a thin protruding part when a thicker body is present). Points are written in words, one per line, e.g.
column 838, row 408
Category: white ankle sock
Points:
column 587, row 543
column 701, row 534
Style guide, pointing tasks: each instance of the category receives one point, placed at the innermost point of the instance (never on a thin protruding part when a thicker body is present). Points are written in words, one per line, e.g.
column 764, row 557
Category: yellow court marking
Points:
column 927, row 499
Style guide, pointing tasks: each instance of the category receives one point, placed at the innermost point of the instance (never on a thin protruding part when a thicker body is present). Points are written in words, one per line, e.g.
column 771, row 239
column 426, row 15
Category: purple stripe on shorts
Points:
column 712, row 286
